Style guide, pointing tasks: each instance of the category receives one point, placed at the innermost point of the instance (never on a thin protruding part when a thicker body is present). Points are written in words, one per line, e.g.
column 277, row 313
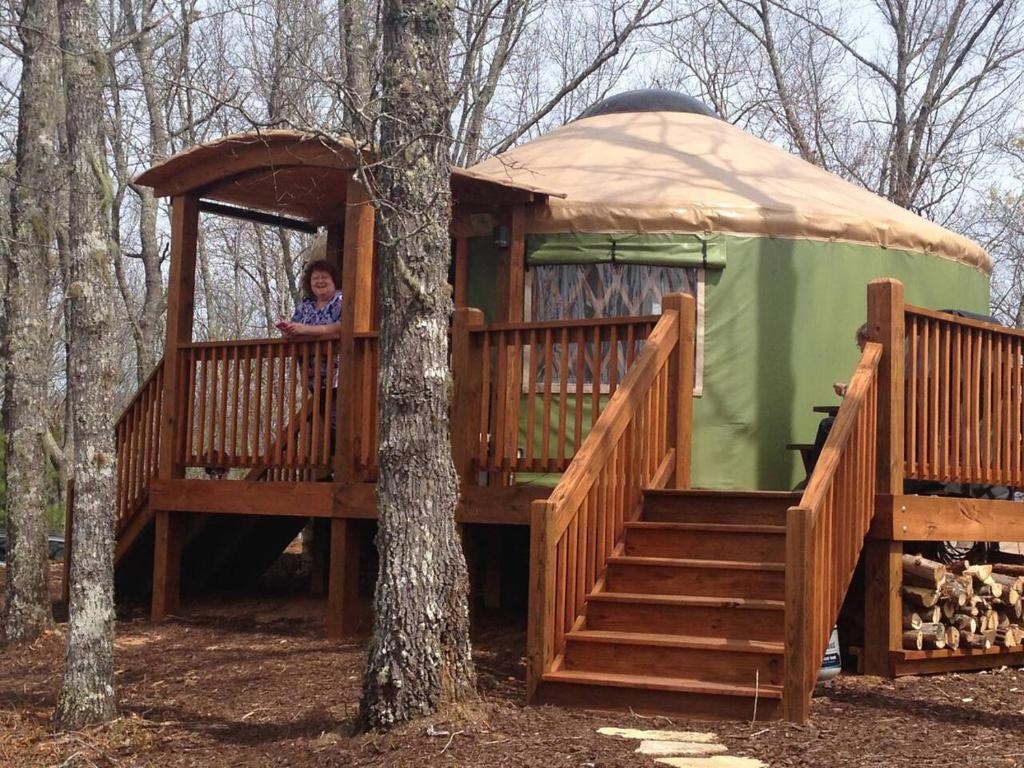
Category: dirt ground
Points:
column 252, row 682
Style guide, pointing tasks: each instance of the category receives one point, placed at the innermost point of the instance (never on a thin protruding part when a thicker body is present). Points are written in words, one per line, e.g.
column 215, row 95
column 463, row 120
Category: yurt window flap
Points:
column 669, row 249
column 584, row 290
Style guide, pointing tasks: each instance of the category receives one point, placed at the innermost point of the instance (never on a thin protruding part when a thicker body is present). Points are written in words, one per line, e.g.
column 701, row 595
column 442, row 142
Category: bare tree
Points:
column 419, row 654
column 28, row 332
column 933, row 94
column 525, row 65
column 87, row 693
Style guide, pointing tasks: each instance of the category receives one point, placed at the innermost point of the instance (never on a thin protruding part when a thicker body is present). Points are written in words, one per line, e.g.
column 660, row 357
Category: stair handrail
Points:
column 640, row 440
column 825, row 533
column 137, row 445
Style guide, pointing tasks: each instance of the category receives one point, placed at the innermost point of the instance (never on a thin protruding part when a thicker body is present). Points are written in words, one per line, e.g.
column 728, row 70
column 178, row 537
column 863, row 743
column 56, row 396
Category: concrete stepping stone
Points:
column 641, row 735
column 687, row 748
column 718, row 761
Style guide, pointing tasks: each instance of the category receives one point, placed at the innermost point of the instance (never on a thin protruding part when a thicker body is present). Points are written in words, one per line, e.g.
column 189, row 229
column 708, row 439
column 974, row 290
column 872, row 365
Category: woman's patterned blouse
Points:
column 308, row 314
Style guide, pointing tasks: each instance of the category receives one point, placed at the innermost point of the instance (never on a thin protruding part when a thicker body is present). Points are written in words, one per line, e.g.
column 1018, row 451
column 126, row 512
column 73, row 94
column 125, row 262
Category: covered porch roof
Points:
column 299, row 175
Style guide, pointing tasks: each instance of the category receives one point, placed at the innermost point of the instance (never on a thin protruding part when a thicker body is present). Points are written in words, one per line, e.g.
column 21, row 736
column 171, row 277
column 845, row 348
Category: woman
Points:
column 318, row 316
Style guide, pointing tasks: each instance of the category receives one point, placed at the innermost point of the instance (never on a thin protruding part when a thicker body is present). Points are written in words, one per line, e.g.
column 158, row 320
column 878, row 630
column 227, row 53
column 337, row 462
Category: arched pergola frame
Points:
column 304, row 182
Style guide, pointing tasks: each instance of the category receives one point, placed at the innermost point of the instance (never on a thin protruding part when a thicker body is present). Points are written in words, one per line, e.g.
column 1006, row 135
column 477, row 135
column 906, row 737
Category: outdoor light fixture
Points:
column 502, row 236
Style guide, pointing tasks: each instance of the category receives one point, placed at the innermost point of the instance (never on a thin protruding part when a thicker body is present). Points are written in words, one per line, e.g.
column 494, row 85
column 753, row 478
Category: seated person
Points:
column 861, row 337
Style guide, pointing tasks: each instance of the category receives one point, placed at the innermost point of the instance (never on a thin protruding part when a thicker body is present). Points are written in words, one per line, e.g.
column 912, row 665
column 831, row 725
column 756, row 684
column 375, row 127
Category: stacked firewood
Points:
column 962, row 606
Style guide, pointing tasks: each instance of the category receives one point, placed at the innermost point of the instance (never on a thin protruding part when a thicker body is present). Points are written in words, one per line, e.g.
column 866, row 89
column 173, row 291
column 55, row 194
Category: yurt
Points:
column 659, row 196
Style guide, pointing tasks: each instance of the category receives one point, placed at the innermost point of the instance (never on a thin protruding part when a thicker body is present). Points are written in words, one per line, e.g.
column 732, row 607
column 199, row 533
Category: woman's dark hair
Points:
column 320, row 265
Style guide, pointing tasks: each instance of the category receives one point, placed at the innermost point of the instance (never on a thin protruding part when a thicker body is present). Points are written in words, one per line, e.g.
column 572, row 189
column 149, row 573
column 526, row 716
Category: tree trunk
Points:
column 419, row 655
column 29, row 340
column 87, row 694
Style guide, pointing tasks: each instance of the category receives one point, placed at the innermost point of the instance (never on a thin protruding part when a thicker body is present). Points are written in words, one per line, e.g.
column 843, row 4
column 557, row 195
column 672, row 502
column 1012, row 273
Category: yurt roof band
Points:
column 652, row 172
column 659, row 249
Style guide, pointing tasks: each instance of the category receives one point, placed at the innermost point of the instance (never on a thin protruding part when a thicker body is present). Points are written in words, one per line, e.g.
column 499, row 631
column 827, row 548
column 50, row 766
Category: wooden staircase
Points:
column 650, row 596
column 218, row 551
column 689, row 616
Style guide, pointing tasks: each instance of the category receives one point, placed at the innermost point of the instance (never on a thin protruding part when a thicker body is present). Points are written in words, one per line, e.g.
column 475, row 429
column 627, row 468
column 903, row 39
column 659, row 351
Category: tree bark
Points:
column 28, row 337
column 419, row 655
column 87, row 693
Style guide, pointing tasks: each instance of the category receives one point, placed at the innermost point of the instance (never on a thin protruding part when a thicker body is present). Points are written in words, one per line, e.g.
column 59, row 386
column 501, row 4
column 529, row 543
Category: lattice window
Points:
column 580, row 291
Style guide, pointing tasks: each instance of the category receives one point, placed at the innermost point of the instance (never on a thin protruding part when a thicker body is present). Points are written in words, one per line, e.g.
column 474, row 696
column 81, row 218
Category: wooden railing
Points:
column 137, row 445
column 963, row 400
column 825, row 533
column 261, row 403
column 542, row 385
column 638, row 441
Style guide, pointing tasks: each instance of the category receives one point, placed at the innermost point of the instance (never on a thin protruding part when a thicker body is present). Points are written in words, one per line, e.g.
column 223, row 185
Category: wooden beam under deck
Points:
column 479, row 505
column 946, row 518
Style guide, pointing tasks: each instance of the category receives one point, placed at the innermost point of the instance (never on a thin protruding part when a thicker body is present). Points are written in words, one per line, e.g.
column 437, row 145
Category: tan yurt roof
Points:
column 663, row 171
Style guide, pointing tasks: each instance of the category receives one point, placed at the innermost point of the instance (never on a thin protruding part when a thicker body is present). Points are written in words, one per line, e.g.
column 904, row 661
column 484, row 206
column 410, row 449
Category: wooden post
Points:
column 510, row 305
column 356, row 316
column 883, row 559
column 343, row 611
column 167, row 546
column 467, row 394
column 680, row 386
column 180, row 314
column 797, row 683
column 540, row 631
column 181, row 289
column 69, row 516
column 512, row 268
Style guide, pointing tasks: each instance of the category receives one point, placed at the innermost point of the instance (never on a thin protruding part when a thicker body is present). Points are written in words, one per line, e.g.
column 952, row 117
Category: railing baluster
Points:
column 246, row 361
column 531, row 402
column 549, row 375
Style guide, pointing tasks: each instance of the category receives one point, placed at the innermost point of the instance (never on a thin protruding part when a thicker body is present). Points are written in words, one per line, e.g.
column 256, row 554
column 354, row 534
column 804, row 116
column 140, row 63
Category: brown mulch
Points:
column 250, row 682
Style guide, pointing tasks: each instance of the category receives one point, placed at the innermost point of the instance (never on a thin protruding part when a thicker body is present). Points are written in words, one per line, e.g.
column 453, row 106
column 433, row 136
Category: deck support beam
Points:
column 167, row 546
column 181, row 289
column 344, row 612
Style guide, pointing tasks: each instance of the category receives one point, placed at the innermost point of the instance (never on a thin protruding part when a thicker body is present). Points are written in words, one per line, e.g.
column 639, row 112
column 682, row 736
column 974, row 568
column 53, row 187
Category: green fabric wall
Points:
column 483, row 276
column 779, row 330
column 779, row 325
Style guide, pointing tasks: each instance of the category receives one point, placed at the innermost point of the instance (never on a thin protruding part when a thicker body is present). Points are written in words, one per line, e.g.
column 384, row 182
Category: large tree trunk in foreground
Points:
column 87, row 694
column 28, row 339
column 419, row 655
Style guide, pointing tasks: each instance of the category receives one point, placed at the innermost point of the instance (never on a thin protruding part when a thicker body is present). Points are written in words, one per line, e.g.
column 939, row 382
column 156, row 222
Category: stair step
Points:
column 710, row 659
column 679, row 614
column 707, row 578
column 697, row 699
column 760, row 543
column 707, row 506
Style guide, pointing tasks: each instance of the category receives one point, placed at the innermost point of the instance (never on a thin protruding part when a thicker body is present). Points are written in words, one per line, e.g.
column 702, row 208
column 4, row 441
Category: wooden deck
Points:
column 728, row 596
column 478, row 505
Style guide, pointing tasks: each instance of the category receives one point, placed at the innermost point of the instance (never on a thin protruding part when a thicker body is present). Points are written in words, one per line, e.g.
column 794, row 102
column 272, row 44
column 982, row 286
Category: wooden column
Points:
column 883, row 559
column 356, row 316
column 680, row 386
column 343, row 610
column 467, row 397
column 167, row 545
column 512, row 268
column 540, row 618
column 510, row 304
column 180, row 316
